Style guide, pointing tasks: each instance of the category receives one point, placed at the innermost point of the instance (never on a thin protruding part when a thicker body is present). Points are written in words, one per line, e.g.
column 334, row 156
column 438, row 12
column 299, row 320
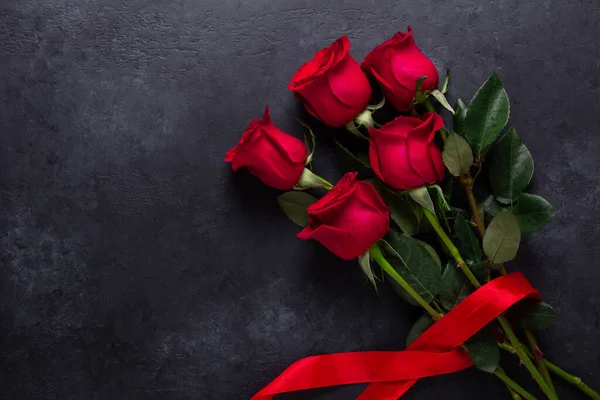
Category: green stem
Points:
column 467, row 184
column 574, row 380
column 555, row 369
column 512, row 337
column 513, row 386
column 513, row 394
column 437, row 307
column 516, row 344
column 430, row 107
column 435, row 223
column 377, row 255
column 539, row 359
column 534, row 348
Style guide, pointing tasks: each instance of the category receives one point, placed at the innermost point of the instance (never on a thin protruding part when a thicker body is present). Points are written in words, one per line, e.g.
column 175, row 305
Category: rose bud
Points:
column 349, row 219
column 396, row 65
column 403, row 152
column 332, row 86
column 270, row 154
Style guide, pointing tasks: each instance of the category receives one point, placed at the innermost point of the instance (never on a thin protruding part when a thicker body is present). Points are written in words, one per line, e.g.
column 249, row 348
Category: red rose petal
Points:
column 349, row 84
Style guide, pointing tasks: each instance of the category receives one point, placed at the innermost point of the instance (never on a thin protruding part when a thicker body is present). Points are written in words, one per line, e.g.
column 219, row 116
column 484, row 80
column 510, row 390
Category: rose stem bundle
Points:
column 534, row 353
column 573, row 380
column 512, row 337
column 467, row 183
column 377, row 255
column 543, row 364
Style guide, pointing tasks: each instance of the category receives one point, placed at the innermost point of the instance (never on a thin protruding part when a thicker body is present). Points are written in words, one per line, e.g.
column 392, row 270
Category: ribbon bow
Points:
column 391, row 373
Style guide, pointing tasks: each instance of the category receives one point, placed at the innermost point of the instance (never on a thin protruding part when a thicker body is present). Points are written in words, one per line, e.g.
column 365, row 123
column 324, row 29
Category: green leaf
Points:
column 294, row 205
column 455, row 212
column 487, row 114
column 539, row 318
column 417, row 209
column 460, row 112
column 533, row 212
column 353, row 162
column 421, row 196
column 403, row 293
column 457, row 154
column 420, row 326
column 432, row 252
column 491, row 207
column 467, row 242
column 511, row 168
column 484, row 351
column 365, row 264
column 454, row 287
column 414, row 263
column 395, row 285
column 439, row 96
column 446, row 82
column 404, row 218
column 479, row 269
column 442, row 202
column 502, row 238
column 401, row 211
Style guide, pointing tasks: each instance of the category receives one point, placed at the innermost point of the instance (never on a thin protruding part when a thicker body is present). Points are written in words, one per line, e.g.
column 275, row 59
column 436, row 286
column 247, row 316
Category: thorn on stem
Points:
column 539, row 351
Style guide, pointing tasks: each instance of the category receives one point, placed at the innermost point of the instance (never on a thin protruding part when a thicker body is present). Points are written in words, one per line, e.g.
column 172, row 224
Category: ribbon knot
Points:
column 391, row 373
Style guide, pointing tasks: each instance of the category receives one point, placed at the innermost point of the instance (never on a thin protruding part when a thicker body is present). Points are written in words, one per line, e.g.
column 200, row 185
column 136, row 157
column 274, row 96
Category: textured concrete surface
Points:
column 134, row 265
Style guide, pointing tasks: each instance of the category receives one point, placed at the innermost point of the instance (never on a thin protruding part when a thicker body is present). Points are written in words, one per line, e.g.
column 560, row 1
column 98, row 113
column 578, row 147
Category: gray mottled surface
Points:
column 135, row 265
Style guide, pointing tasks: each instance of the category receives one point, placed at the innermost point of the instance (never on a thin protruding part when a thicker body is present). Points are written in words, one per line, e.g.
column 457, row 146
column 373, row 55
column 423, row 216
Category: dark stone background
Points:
column 135, row 265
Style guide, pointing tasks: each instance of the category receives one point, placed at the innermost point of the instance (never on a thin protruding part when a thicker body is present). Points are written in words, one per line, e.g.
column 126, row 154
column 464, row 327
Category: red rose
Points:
column 349, row 219
column 397, row 64
column 270, row 154
column 403, row 153
column 332, row 86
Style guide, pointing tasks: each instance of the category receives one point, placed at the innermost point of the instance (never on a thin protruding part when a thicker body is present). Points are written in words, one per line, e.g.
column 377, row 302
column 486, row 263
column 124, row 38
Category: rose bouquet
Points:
column 434, row 212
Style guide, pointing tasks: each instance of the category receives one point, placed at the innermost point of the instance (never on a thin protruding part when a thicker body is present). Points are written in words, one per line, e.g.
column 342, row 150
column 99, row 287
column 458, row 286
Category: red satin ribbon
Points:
column 391, row 373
